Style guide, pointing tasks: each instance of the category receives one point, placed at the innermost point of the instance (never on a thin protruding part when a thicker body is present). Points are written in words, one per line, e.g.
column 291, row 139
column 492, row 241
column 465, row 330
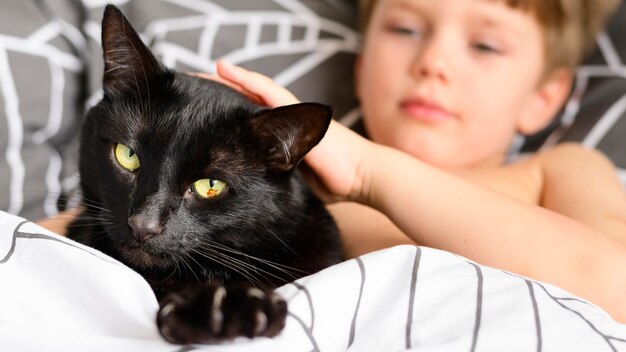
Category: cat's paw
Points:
column 215, row 314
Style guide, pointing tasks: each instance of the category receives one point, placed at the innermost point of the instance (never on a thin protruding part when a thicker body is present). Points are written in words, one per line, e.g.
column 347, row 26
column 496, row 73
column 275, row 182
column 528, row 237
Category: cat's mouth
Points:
column 146, row 256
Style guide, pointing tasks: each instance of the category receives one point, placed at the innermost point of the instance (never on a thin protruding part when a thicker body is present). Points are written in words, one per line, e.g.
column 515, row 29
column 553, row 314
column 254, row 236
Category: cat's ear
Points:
column 129, row 66
column 287, row 133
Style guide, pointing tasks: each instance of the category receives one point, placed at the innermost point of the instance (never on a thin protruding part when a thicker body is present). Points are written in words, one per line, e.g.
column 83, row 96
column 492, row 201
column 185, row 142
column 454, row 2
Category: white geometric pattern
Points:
column 37, row 44
column 209, row 17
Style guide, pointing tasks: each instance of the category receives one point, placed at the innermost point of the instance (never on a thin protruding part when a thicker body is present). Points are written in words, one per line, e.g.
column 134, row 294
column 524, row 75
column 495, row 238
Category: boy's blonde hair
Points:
column 569, row 26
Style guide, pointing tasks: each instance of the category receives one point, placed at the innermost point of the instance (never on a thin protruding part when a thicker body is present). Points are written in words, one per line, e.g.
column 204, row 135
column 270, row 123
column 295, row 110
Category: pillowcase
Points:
column 51, row 67
column 41, row 85
column 309, row 46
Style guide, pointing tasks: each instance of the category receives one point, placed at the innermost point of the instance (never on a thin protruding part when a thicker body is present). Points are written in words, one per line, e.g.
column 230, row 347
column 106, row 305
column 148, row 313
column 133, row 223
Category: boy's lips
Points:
column 425, row 111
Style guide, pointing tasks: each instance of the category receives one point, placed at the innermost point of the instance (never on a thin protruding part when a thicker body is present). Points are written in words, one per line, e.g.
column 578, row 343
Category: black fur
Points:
column 266, row 229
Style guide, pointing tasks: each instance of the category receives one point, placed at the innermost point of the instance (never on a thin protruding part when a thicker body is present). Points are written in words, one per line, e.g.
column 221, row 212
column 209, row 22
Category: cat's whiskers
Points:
column 226, row 248
column 223, row 259
column 99, row 216
column 284, row 244
column 230, row 263
column 176, row 269
column 88, row 207
column 84, row 215
column 95, row 206
column 87, row 224
column 85, row 202
column 258, row 270
column 89, row 218
column 281, row 267
column 92, row 220
column 188, row 265
column 91, row 236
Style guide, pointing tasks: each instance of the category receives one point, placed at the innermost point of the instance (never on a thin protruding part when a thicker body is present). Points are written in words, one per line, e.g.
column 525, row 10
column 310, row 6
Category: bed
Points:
column 59, row 295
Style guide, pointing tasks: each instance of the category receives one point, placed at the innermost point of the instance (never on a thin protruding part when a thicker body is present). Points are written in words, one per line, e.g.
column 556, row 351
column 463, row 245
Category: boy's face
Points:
column 450, row 81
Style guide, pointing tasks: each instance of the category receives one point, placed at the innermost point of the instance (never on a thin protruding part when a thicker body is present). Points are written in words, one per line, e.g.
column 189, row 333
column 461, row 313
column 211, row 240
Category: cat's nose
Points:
column 144, row 227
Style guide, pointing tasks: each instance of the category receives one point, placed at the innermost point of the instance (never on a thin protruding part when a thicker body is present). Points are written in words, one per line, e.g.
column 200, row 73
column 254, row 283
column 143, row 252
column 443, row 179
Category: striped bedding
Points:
column 57, row 295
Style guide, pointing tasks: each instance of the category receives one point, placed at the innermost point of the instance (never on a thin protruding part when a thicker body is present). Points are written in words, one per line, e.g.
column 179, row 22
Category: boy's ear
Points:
column 287, row 133
column 548, row 99
column 129, row 66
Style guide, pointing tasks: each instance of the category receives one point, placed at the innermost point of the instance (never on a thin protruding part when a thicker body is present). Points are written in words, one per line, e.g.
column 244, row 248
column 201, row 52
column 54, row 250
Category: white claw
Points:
column 169, row 308
column 260, row 323
column 217, row 318
column 255, row 292
column 165, row 331
column 276, row 298
column 218, row 297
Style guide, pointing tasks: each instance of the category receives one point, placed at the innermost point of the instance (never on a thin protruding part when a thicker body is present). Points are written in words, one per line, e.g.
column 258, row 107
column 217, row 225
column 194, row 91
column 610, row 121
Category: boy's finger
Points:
column 261, row 85
column 217, row 78
column 317, row 185
column 214, row 77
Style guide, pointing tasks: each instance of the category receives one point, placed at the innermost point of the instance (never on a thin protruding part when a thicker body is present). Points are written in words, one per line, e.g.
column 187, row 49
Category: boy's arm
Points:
column 59, row 223
column 364, row 229
column 440, row 210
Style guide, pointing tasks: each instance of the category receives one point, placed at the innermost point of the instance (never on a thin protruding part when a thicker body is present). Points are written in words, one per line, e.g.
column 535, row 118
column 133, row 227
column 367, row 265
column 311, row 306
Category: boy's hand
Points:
column 337, row 162
column 257, row 87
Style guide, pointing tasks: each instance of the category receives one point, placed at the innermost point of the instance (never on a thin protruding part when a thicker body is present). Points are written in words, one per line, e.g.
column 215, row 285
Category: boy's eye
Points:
column 406, row 31
column 126, row 157
column 486, row 48
column 208, row 188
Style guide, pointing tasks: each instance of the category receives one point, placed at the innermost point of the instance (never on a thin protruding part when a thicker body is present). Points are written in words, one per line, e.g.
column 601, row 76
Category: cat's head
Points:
column 183, row 165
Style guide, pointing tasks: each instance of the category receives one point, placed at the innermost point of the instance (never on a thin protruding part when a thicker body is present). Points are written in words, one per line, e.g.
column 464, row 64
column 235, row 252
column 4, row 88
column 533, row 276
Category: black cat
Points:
column 193, row 186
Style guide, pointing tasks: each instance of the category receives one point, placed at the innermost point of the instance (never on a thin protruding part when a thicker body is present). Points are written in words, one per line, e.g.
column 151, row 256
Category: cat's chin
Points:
column 141, row 258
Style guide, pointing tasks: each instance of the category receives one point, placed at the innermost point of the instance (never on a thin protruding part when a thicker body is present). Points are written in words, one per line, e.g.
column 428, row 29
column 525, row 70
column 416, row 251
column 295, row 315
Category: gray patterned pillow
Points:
column 41, row 75
column 309, row 46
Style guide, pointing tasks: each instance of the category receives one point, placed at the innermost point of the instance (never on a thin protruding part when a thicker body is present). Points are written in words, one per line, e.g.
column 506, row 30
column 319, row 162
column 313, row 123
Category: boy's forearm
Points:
column 59, row 222
column 443, row 211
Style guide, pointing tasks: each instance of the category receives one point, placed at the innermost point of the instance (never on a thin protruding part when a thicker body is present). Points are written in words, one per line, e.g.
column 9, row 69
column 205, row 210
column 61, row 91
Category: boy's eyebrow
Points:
column 403, row 4
column 479, row 17
column 495, row 23
column 492, row 18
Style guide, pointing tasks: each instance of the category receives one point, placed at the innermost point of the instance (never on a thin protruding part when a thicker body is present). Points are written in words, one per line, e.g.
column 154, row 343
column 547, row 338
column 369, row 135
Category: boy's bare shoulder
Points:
column 571, row 169
column 583, row 184
column 574, row 160
column 566, row 172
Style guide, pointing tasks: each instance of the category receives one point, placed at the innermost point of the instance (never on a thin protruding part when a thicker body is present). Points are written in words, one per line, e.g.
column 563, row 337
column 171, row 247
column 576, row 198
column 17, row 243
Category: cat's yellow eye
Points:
column 126, row 157
column 208, row 188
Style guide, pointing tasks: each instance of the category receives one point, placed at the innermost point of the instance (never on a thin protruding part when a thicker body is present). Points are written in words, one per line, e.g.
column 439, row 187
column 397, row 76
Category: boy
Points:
column 444, row 86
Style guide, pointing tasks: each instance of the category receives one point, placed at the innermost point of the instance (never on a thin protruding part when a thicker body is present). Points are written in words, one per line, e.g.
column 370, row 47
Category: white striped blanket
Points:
column 57, row 295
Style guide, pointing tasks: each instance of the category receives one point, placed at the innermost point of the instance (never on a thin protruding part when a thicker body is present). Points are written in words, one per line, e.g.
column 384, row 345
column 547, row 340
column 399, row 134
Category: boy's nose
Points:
column 433, row 60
